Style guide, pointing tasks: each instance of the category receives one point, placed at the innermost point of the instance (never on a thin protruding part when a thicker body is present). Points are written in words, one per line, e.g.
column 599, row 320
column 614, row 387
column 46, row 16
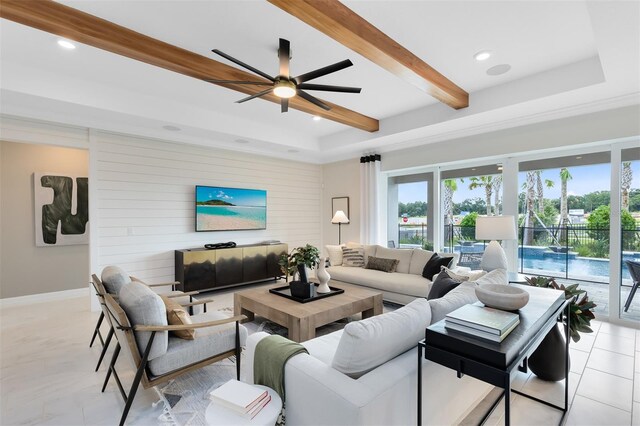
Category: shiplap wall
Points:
column 144, row 195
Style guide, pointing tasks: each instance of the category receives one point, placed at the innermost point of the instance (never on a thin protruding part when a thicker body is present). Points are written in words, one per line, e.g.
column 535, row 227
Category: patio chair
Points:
column 470, row 260
column 634, row 271
column 140, row 324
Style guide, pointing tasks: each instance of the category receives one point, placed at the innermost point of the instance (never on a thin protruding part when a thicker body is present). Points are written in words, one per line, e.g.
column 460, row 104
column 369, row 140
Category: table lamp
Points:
column 495, row 228
column 340, row 218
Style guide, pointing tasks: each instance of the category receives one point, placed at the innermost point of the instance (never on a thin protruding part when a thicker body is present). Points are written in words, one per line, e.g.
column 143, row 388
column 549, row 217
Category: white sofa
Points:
column 319, row 392
column 401, row 286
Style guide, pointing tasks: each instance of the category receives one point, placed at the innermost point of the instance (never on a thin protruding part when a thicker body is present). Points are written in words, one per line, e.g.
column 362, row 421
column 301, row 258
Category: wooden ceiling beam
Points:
column 348, row 28
column 73, row 24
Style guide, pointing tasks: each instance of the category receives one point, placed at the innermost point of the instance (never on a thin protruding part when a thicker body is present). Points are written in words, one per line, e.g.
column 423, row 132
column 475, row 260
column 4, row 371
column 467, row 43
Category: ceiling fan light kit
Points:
column 284, row 86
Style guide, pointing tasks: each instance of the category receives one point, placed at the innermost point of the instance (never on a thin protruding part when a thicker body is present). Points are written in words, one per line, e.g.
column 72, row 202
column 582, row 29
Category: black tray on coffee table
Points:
column 285, row 291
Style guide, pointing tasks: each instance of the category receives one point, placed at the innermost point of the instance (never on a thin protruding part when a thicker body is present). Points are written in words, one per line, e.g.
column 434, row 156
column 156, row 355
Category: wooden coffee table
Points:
column 302, row 319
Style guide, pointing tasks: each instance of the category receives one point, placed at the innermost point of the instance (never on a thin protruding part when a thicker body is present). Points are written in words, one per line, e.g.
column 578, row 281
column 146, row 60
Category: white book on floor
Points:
column 238, row 396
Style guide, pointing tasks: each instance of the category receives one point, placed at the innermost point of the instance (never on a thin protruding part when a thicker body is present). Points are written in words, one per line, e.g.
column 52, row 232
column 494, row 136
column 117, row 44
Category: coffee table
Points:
column 302, row 319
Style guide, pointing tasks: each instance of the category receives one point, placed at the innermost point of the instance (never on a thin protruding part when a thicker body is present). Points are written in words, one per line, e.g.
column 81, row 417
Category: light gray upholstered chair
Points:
column 114, row 278
column 140, row 324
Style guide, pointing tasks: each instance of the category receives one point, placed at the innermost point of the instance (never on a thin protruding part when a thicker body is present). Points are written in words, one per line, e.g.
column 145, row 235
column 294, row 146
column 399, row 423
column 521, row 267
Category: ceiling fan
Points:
column 284, row 85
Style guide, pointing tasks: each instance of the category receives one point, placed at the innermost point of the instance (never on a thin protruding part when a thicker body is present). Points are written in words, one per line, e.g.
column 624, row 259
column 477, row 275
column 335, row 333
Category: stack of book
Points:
column 242, row 398
column 480, row 321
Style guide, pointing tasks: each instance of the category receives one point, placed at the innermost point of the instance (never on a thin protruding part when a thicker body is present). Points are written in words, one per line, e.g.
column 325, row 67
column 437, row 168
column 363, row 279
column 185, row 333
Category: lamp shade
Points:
column 496, row 228
column 340, row 217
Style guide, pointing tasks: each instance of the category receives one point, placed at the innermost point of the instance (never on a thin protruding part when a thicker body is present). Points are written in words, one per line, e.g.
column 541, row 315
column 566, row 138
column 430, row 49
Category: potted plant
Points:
column 297, row 262
column 545, row 361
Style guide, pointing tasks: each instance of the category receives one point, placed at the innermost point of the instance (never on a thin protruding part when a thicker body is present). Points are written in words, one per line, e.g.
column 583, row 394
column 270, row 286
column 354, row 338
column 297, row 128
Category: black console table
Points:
column 209, row 269
column 498, row 363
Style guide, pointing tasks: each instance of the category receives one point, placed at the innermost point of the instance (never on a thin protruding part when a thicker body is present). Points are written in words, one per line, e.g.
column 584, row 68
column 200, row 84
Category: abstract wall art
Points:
column 61, row 209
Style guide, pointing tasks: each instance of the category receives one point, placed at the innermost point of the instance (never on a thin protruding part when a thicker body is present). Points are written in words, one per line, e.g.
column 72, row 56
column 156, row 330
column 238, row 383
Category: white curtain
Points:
column 369, row 202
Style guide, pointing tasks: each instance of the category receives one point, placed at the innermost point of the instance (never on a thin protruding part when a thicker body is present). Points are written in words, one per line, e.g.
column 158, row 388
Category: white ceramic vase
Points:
column 323, row 276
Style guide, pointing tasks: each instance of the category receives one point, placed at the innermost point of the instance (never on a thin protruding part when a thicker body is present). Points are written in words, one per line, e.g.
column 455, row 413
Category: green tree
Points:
column 625, row 184
column 486, row 182
column 414, row 209
column 449, row 187
column 600, row 218
column 468, row 226
column 477, row 205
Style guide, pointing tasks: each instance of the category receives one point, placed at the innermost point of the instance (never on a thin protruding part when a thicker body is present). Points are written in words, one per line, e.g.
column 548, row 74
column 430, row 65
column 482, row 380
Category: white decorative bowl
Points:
column 502, row 296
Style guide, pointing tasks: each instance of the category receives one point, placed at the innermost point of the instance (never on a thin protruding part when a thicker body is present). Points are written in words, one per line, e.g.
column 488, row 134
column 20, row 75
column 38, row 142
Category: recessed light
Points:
column 473, row 169
column 171, row 128
column 66, row 44
column 499, row 69
column 482, row 55
column 293, row 151
column 499, row 167
column 578, row 157
column 241, row 141
column 317, row 118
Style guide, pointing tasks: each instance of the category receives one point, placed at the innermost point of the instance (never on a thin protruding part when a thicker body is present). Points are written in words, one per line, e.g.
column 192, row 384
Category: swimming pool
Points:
column 577, row 266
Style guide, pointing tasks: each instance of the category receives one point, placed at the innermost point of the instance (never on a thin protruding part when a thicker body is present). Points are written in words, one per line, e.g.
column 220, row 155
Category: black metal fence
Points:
column 414, row 234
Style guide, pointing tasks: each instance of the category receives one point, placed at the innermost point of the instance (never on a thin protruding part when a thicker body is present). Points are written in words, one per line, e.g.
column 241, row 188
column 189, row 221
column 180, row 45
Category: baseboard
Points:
column 44, row 297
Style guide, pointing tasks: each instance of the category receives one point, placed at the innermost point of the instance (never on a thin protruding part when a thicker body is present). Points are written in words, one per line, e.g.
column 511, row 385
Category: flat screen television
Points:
column 230, row 209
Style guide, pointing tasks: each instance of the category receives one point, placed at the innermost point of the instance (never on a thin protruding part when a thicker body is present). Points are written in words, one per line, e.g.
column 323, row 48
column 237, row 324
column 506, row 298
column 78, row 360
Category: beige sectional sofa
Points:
column 401, row 286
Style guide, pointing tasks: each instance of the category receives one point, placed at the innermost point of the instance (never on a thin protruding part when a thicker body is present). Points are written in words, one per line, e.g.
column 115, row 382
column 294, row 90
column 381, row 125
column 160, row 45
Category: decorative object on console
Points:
column 500, row 296
column 495, row 228
column 339, row 218
column 323, row 276
column 434, row 264
column 544, row 362
column 230, row 244
column 230, row 209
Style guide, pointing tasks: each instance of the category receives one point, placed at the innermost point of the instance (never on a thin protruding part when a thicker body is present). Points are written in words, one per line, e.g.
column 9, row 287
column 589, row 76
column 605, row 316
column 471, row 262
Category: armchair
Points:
column 140, row 326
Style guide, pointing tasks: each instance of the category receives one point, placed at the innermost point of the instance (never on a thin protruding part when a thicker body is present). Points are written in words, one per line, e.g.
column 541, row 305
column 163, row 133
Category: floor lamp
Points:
column 495, row 228
column 340, row 218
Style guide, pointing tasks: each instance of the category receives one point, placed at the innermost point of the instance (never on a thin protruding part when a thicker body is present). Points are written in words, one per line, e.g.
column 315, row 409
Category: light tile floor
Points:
column 47, row 377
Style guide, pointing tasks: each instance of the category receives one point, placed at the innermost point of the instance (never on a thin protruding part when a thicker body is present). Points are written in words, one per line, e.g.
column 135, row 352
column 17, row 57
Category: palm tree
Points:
column 485, row 182
column 625, row 184
column 565, row 176
column 529, row 206
column 540, row 189
column 450, row 186
column 497, row 184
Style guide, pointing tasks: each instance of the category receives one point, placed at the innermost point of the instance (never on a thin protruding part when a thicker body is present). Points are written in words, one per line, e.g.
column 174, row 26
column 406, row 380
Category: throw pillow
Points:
column 177, row 315
column 335, row 254
column 443, row 284
column 433, row 265
column 353, row 257
column 367, row 344
column 454, row 275
column 382, row 264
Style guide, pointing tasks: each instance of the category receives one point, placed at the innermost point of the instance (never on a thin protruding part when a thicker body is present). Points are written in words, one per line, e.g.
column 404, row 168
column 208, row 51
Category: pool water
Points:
column 577, row 266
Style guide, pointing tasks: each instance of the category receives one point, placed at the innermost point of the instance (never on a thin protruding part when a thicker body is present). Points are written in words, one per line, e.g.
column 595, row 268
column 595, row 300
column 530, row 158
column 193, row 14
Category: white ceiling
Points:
column 566, row 57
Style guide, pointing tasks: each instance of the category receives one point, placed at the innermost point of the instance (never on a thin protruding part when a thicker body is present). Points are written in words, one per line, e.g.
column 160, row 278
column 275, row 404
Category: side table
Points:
column 498, row 363
column 217, row 415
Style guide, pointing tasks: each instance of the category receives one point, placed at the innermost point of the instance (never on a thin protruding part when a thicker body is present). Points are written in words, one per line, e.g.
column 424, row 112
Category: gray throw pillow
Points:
column 353, row 257
column 382, row 264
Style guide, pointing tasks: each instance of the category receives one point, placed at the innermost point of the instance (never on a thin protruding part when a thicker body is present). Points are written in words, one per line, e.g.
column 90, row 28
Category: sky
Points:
column 236, row 196
column 585, row 179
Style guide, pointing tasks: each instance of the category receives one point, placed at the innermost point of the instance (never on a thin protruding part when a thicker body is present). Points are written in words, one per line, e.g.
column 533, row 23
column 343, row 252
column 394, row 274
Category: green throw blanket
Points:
column 271, row 355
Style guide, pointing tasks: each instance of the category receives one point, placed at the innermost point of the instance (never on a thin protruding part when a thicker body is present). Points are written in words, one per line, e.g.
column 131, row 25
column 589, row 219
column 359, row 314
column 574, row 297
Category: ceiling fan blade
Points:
column 242, row 64
column 284, row 53
column 257, row 95
column 326, row 88
column 284, row 105
column 313, row 100
column 323, row 71
column 257, row 83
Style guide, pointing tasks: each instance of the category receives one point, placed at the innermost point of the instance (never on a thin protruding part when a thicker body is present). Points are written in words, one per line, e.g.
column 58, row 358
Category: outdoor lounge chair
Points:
column 634, row 271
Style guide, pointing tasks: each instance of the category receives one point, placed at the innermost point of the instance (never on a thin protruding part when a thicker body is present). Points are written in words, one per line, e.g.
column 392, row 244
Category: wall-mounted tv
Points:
column 230, row 209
